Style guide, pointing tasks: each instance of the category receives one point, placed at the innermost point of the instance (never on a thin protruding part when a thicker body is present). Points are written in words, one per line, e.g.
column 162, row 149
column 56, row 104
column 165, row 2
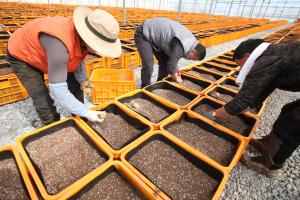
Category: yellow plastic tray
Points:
column 116, row 153
column 134, row 180
column 23, row 170
column 32, row 170
column 147, row 136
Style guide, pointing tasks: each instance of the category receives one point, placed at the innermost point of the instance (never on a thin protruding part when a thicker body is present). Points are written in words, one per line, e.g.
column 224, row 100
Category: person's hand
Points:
column 220, row 113
column 177, row 77
column 95, row 116
column 87, row 87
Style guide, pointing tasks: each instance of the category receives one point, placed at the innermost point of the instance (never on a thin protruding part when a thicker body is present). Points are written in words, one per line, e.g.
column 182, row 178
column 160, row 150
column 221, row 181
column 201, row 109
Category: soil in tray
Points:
column 203, row 75
column 147, row 109
column 62, row 158
column 111, row 187
column 232, row 122
column 173, row 173
column 191, row 85
column 171, row 95
column 231, row 85
column 214, row 69
column 204, row 141
column 221, row 96
column 11, row 186
column 115, row 130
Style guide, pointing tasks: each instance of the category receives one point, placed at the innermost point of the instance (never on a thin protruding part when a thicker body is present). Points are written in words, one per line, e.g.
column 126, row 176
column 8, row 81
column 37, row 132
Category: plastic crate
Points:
column 95, row 62
column 248, row 118
column 145, row 112
column 188, row 95
column 11, row 152
column 217, row 132
column 49, row 130
column 131, row 58
column 3, row 46
column 115, row 63
column 215, row 171
column 111, row 83
column 11, row 89
column 119, row 169
column 199, row 85
column 114, row 145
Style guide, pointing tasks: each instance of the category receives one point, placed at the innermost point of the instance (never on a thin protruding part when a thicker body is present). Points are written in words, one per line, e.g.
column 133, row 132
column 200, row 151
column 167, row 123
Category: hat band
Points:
column 99, row 35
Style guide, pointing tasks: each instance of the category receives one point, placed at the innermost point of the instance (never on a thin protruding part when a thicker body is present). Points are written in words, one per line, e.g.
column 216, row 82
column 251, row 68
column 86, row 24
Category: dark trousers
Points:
column 286, row 131
column 33, row 81
column 146, row 52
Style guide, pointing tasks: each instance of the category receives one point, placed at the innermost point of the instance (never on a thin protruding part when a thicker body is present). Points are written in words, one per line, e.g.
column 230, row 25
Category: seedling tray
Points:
column 60, row 154
column 202, row 73
column 190, row 83
column 119, row 128
column 151, row 109
column 14, row 178
column 176, row 95
column 154, row 160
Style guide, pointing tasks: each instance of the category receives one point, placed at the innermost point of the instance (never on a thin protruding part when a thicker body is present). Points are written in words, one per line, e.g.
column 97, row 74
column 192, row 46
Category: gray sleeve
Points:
column 80, row 73
column 57, row 58
column 176, row 53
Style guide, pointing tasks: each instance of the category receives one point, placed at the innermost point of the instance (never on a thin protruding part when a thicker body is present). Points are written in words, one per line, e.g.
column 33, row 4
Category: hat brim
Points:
column 100, row 46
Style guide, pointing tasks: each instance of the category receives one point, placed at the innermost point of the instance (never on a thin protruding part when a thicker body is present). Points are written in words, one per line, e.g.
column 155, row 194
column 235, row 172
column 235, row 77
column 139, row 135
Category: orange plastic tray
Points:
column 23, row 170
column 37, row 179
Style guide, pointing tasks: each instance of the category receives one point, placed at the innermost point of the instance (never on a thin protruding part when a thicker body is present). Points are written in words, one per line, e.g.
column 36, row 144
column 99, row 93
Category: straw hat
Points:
column 99, row 30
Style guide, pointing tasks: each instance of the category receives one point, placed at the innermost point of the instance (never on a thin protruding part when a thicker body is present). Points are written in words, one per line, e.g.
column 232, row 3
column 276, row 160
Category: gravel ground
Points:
column 20, row 117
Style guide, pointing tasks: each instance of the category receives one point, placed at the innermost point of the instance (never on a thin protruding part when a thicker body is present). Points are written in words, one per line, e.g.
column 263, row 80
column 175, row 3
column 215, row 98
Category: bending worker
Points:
column 265, row 67
column 168, row 41
column 57, row 46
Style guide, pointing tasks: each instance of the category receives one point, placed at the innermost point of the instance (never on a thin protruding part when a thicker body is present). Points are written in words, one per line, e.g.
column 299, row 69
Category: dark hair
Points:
column 247, row 46
column 200, row 51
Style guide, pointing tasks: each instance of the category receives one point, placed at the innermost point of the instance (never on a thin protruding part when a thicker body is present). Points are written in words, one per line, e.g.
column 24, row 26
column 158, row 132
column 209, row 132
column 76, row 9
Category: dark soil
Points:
column 172, row 173
column 113, row 186
column 62, row 158
column 202, row 75
column 148, row 109
column 232, row 122
column 115, row 130
column 223, row 97
column 231, row 85
column 172, row 95
column 11, row 186
column 204, row 141
column 214, row 69
column 191, row 85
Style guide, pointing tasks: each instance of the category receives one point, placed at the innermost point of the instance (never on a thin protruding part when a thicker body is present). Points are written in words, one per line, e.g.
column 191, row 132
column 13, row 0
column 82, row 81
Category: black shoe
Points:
column 260, row 165
column 258, row 144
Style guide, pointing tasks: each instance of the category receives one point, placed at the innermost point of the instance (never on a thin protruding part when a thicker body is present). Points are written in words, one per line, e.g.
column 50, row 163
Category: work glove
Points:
column 87, row 87
column 177, row 77
column 95, row 116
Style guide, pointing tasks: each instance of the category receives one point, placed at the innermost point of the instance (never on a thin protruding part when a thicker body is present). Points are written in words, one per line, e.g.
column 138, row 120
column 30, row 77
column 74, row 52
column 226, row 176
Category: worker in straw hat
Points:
column 265, row 67
column 57, row 46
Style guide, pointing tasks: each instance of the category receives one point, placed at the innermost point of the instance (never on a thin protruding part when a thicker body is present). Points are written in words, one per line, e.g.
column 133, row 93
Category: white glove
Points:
column 95, row 116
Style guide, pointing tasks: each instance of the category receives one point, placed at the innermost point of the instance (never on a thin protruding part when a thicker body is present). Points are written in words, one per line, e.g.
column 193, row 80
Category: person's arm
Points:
column 177, row 52
column 260, row 78
column 80, row 73
column 57, row 59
